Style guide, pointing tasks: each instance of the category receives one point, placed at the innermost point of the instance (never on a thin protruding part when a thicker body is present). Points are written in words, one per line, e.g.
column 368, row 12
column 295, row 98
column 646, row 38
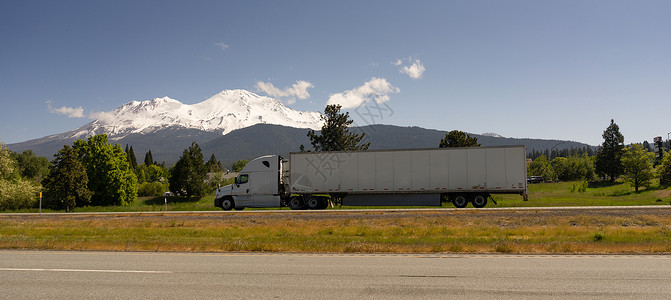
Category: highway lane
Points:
column 67, row 275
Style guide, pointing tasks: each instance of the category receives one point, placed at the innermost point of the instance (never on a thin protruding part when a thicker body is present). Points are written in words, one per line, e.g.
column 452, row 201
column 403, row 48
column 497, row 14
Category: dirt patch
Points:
column 662, row 194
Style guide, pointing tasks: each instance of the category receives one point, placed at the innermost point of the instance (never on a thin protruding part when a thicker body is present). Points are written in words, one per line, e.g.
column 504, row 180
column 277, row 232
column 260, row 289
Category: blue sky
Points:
column 538, row 69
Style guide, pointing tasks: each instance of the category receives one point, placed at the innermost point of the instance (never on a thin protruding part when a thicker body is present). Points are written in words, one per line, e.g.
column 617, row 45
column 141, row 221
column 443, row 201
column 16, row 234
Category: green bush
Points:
column 151, row 189
column 17, row 194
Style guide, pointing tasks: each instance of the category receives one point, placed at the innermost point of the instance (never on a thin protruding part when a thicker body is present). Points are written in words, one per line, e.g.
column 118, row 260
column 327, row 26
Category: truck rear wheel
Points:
column 227, row 204
column 479, row 200
column 296, row 203
column 459, row 201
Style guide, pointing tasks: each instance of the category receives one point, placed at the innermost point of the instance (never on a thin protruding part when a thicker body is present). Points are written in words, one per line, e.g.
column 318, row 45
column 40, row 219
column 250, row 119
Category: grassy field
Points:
column 529, row 232
column 540, row 195
column 596, row 194
column 469, row 231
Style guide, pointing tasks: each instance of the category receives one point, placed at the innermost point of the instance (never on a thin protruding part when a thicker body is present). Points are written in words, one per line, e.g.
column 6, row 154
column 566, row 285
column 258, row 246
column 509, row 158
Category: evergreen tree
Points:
column 148, row 159
column 456, row 138
column 65, row 187
column 609, row 156
column 133, row 159
column 646, row 146
column 238, row 165
column 335, row 134
column 187, row 177
column 213, row 165
column 111, row 178
column 637, row 164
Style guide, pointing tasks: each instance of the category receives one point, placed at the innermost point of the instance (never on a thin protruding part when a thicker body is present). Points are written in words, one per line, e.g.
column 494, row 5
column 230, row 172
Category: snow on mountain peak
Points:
column 226, row 111
column 492, row 134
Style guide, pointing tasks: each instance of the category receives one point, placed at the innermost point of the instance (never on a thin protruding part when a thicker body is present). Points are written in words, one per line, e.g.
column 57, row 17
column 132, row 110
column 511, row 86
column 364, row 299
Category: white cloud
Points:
column 102, row 116
column 71, row 112
column 297, row 90
column 414, row 70
column 221, row 45
column 375, row 89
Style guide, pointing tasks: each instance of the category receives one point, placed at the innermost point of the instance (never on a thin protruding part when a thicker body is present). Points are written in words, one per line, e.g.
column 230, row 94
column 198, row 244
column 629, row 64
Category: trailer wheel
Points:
column 314, row 202
column 296, row 203
column 479, row 201
column 227, row 204
column 459, row 201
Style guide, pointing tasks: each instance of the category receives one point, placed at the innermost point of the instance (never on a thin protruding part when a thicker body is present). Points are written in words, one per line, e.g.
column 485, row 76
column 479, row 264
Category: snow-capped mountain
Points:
column 223, row 113
column 492, row 134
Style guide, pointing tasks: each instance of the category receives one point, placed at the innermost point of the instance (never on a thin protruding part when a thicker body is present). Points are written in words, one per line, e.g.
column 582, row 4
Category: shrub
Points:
column 151, row 189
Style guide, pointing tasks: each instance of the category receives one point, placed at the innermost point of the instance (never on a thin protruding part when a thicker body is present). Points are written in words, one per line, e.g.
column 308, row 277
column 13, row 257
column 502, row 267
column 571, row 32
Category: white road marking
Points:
column 84, row 270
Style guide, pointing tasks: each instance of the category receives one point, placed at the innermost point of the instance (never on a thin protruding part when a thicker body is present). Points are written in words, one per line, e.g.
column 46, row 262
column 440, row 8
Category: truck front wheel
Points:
column 459, row 201
column 296, row 203
column 227, row 204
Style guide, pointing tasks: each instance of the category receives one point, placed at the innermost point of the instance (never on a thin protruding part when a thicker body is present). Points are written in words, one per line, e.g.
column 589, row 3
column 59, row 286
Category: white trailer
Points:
column 379, row 177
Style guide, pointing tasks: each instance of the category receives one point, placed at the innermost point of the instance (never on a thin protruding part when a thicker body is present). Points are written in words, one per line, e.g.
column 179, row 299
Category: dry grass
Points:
column 419, row 232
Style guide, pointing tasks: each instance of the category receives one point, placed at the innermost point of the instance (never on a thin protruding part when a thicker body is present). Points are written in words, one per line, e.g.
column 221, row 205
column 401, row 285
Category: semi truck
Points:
column 407, row 177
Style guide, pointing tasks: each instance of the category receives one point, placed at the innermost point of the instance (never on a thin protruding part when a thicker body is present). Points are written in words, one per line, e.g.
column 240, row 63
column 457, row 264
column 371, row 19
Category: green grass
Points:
column 596, row 194
column 424, row 232
column 540, row 195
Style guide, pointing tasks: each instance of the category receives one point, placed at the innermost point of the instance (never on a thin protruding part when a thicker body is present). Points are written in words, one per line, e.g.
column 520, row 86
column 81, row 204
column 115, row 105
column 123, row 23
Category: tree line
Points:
column 634, row 164
column 94, row 172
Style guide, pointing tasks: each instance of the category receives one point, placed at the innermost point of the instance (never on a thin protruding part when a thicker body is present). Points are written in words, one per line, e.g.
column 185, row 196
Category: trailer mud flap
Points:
column 392, row 200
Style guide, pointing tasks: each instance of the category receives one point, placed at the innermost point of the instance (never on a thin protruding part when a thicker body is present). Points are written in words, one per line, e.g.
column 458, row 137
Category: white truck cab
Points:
column 257, row 185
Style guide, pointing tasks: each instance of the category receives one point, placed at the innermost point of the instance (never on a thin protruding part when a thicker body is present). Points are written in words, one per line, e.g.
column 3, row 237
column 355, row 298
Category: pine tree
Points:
column 335, row 134
column 213, row 165
column 456, row 138
column 148, row 159
column 609, row 157
column 187, row 177
column 133, row 159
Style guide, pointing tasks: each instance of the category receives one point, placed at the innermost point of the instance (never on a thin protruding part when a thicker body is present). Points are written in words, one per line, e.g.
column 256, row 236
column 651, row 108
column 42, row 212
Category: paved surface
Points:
column 68, row 275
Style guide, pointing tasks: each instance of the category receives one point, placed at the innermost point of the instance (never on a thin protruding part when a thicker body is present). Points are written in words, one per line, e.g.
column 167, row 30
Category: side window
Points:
column 266, row 163
column 243, row 178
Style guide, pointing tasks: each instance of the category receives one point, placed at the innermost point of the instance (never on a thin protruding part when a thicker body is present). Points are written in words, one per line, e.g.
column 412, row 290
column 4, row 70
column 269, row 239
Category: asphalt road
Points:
column 78, row 275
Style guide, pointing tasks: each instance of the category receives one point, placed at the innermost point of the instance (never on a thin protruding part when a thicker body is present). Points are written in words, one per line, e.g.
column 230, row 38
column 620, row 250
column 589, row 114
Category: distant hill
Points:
column 250, row 142
column 261, row 139
column 238, row 124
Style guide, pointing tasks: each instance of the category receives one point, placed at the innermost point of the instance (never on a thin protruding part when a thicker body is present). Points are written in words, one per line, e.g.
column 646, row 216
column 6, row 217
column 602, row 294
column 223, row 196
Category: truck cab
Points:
column 257, row 185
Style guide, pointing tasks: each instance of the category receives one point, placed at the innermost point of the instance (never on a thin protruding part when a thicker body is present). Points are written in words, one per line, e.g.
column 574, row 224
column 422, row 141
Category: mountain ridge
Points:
column 238, row 124
column 224, row 112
